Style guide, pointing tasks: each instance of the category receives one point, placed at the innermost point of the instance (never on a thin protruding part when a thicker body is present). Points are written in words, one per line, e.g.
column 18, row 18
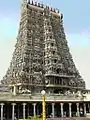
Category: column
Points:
column 53, row 109
column 14, row 90
column 78, row 114
column 61, row 109
column 2, row 104
column 34, row 109
column 24, row 104
column 13, row 110
column 85, row 109
column 70, row 113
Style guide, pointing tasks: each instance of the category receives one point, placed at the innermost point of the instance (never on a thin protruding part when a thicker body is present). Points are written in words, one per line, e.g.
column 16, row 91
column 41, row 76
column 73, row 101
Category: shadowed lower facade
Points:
column 42, row 60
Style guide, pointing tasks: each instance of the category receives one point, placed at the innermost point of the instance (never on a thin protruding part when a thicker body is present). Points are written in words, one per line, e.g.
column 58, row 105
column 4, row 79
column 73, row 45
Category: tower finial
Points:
column 35, row 3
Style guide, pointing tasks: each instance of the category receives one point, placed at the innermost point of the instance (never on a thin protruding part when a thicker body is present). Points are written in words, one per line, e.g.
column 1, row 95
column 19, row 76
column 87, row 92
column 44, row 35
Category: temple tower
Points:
column 42, row 59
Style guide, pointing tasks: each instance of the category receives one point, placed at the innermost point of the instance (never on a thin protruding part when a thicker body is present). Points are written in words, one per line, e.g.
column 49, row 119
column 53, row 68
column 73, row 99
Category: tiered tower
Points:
column 41, row 58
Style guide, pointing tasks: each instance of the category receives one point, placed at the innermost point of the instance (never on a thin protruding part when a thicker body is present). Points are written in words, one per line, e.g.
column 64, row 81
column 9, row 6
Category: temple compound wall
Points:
column 21, row 106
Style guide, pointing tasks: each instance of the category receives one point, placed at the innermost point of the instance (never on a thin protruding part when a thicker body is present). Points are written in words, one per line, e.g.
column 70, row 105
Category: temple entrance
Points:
column 39, row 108
column 30, row 107
column 66, row 110
column 81, row 110
column 48, row 109
column 87, row 108
column 57, row 110
column 74, row 109
column 7, row 111
column 20, row 111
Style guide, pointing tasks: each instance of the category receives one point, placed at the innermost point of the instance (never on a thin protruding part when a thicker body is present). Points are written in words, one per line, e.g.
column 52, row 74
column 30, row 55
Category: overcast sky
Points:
column 77, row 29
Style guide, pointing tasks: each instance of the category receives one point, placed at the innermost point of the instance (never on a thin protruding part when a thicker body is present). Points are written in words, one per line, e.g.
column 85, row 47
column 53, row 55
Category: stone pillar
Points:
column 78, row 114
column 53, row 109
column 61, row 109
column 34, row 109
column 24, row 104
column 13, row 111
column 70, row 112
column 14, row 90
column 2, row 104
column 85, row 109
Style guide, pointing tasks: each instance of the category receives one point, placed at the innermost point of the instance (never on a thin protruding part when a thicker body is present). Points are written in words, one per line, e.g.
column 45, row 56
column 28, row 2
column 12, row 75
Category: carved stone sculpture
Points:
column 41, row 52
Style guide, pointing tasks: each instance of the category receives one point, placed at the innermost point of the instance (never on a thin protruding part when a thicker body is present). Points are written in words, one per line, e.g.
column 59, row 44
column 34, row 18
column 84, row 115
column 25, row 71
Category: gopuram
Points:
column 42, row 61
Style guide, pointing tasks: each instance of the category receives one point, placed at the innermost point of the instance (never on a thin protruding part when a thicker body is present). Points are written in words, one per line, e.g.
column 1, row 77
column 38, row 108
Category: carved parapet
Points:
column 32, row 3
column 41, row 5
column 38, row 4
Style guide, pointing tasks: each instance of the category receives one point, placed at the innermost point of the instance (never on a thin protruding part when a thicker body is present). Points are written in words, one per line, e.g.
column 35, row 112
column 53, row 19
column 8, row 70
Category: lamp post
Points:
column 43, row 105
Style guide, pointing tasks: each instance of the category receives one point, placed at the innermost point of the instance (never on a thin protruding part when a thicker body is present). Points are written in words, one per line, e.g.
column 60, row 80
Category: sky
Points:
column 77, row 28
